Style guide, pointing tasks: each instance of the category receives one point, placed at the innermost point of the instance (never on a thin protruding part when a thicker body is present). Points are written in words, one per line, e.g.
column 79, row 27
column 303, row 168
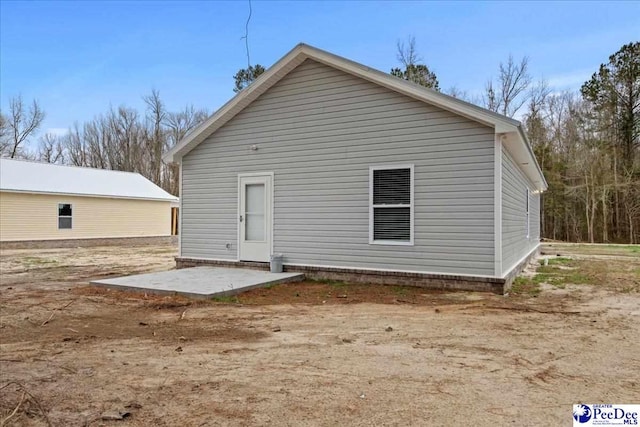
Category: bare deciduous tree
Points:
column 414, row 71
column 508, row 94
column 123, row 139
column 178, row 125
column 50, row 149
column 458, row 93
column 156, row 115
column 18, row 126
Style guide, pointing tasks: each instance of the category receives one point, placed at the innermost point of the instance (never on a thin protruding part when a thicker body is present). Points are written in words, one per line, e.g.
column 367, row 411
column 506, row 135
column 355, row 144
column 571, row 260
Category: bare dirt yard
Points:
column 314, row 353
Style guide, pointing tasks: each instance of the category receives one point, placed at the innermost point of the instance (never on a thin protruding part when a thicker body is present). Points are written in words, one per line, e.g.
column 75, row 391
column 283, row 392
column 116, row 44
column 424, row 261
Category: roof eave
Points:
column 516, row 144
column 543, row 182
column 100, row 196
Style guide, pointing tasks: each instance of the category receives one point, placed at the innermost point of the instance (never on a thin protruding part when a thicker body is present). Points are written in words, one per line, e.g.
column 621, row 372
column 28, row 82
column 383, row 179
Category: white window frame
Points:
column 527, row 195
column 65, row 216
column 411, row 206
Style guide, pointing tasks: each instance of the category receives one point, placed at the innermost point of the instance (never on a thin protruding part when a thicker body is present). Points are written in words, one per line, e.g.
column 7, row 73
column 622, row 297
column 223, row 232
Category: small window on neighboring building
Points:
column 391, row 209
column 527, row 196
column 64, row 216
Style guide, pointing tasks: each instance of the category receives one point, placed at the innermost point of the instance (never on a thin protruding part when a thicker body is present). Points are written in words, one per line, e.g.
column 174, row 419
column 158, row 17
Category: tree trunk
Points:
column 605, row 234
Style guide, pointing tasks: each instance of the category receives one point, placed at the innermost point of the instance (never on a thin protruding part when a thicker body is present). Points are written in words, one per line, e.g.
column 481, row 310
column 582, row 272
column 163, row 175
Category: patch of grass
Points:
column 578, row 278
column 526, row 286
column 541, row 278
column 556, row 261
column 596, row 249
column 634, row 249
column 38, row 260
column 560, row 278
column 400, row 290
column 30, row 261
column 548, row 269
column 226, row 299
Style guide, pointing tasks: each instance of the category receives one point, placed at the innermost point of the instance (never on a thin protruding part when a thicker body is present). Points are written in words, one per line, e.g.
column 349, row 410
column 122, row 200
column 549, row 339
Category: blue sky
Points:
column 78, row 58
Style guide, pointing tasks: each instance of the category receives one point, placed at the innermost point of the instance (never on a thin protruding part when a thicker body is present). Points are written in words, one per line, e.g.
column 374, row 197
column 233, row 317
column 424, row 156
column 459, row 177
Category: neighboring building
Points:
column 46, row 202
column 351, row 172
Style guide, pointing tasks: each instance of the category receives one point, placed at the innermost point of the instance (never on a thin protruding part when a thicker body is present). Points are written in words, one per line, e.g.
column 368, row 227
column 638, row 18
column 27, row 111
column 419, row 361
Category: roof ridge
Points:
column 70, row 166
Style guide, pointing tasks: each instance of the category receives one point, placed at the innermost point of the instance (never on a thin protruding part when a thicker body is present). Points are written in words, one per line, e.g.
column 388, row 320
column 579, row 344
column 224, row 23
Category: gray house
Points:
column 353, row 173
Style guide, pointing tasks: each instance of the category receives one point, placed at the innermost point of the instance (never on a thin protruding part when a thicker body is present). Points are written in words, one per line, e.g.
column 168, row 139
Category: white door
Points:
column 254, row 217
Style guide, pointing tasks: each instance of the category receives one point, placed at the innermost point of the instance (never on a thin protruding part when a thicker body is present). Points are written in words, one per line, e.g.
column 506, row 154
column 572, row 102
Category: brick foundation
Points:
column 430, row 281
column 77, row 243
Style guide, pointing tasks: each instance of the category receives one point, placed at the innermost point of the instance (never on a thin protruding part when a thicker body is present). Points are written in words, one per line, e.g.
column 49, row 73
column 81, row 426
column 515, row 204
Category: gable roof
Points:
column 45, row 178
column 518, row 146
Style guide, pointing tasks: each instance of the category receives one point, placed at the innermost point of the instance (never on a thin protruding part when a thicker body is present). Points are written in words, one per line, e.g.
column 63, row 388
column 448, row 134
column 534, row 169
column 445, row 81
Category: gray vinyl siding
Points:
column 319, row 130
column 535, row 218
column 515, row 244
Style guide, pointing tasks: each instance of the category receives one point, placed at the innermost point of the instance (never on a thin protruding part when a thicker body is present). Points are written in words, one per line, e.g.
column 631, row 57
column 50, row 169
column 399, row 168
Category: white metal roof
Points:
column 517, row 145
column 35, row 177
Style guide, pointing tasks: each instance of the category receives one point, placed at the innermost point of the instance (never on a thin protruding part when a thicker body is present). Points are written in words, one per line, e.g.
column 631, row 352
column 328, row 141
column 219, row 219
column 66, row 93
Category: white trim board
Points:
column 411, row 205
column 497, row 205
column 272, row 209
column 180, row 233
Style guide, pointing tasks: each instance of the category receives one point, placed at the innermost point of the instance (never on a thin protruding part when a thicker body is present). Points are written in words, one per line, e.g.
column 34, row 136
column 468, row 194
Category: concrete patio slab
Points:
column 199, row 282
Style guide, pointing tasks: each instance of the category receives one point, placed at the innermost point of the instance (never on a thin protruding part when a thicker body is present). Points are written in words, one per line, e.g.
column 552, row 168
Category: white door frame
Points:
column 269, row 191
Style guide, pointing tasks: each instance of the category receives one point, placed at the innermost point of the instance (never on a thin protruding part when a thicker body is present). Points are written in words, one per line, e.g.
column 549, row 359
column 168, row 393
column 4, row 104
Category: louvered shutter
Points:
column 392, row 204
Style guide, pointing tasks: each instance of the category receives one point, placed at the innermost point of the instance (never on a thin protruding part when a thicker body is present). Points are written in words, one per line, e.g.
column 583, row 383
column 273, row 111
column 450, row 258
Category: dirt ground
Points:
column 314, row 353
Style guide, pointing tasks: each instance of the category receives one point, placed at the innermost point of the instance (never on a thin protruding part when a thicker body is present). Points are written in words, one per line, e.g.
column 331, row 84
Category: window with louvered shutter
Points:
column 391, row 205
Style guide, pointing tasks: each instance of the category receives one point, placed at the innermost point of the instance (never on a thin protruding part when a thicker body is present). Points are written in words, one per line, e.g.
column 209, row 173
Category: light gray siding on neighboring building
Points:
column 319, row 130
column 515, row 244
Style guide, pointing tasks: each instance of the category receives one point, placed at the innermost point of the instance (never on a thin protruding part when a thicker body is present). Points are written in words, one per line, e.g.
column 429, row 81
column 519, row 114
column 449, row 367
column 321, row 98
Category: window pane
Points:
column 254, row 227
column 254, row 212
column 392, row 187
column 392, row 224
column 64, row 223
column 64, row 210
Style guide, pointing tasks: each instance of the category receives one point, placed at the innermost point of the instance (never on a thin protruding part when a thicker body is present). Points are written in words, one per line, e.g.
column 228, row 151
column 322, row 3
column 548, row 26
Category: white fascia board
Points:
column 523, row 156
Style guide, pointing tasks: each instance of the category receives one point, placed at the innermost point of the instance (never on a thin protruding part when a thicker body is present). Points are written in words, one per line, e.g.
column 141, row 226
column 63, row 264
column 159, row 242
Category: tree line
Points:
column 588, row 145
column 587, row 142
column 123, row 138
